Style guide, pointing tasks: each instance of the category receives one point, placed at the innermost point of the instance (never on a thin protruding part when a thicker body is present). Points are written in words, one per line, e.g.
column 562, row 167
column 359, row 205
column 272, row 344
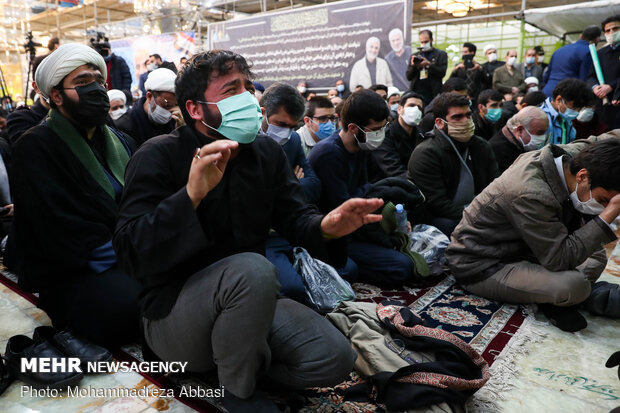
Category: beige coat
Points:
column 525, row 214
column 504, row 81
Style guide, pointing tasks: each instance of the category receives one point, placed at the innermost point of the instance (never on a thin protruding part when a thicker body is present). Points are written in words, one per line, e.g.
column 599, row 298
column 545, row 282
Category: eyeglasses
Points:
column 326, row 118
column 398, row 346
column 166, row 105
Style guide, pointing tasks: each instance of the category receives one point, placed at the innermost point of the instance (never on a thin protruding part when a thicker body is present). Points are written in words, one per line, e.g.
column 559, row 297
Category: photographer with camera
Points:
column 119, row 76
column 427, row 68
column 470, row 71
column 52, row 45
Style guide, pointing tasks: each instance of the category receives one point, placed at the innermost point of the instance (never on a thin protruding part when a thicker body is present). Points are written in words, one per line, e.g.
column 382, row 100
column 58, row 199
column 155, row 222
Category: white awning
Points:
column 573, row 18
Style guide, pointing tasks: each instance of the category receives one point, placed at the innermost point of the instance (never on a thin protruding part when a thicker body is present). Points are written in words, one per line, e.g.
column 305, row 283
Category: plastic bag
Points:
column 431, row 243
column 325, row 288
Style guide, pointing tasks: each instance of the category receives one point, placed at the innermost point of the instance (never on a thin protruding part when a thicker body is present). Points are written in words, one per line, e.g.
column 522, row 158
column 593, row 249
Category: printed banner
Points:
column 171, row 47
column 360, row 41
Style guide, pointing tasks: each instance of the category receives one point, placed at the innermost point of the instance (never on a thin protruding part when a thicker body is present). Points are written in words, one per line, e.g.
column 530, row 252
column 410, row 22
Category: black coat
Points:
column 506, row 149
column 22, row 119
column 120, row 76
column 430, row 87
column 610, row 65
column 476, row 81
column 136, row 123
column 435, row 168
column 393, row 155
column 484, row 128
column 162, row 240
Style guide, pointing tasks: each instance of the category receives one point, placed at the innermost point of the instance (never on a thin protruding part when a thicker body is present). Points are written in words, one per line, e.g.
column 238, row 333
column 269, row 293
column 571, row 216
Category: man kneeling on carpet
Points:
column 193, row 223
column 535, row 234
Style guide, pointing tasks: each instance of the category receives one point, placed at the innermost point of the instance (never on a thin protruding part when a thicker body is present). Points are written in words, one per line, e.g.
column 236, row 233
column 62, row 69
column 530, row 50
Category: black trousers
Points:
column 100, row 307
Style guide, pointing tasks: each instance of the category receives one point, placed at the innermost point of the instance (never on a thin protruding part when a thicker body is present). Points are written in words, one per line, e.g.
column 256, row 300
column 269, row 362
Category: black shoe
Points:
column 257, row 403
column 5, row 376
column 564, row 318
column 72, row 345
column 22, row 347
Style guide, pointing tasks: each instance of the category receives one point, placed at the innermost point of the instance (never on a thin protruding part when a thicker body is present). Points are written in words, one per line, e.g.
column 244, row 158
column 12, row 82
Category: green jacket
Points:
column 526, row 214
column 503, row 81
column 435, row 168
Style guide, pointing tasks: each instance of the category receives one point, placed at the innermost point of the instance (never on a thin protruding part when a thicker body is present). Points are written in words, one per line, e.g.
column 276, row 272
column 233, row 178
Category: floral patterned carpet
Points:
column 484, row 324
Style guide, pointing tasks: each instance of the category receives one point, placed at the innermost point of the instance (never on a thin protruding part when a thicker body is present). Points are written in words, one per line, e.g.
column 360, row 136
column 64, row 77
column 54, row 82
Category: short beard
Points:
column 212, row 119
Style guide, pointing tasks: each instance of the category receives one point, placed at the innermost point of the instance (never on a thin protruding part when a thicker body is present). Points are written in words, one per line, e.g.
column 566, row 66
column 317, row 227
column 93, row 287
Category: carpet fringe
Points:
column 504, row 369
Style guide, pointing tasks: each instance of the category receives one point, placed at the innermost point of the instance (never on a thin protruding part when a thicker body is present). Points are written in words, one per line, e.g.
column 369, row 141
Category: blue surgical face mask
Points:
column 241, row 117
column 569, row 114
column 340, row 88
column 530, row 60
column 325, row 129
column 280, row 134
column 394, row 107
column 493, row 114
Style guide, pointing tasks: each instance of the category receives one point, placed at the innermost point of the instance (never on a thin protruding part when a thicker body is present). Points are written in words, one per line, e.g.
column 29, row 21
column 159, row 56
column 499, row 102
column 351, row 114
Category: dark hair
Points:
column 601, row 161
column 3, row 113
column 378, row 87
column 539, row 50
column 249, row 86
column 454, row 83
column 576, row 91
column 445, row 101
column 195, row 75
column 534, row 98
column 489, row 94
column 430, row 34
column 610, row 19
column 361, row 107
column 156, row 56
column 472, row 47
column 315, row 103
column 591, row 33
column 52, row 43
column 408, row 95
column 282, row 96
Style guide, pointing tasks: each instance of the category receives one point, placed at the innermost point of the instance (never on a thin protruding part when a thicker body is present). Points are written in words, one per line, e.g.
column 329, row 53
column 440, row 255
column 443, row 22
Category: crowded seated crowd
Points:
column 171, row 220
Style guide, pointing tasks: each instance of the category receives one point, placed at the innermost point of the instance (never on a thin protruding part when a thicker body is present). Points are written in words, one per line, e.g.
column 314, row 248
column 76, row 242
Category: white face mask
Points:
column 585, row 115
column 425, row 46
column 301, row 89
column 158, row 114
column 492, row 57
column 374, row 139
column 540, row 58
column 512, row 60
column 589, row 207
column 115, row 114
column 280, row 134
column 412, row 115
column 151, row 66
column 613, row 38
column 535, row 141
column 533, row 89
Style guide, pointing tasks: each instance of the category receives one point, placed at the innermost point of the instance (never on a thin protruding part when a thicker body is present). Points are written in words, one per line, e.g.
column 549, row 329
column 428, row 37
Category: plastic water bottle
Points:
column 401, row 219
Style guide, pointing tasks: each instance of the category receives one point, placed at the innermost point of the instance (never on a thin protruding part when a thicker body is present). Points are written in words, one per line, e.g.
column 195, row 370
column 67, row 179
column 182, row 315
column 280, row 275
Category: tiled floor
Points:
column 563, row 373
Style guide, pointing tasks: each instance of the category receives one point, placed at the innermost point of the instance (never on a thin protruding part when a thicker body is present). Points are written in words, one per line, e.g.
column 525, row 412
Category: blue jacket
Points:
column 572, row 60
column 119, row 73
column 310, row 183
column 555, row 132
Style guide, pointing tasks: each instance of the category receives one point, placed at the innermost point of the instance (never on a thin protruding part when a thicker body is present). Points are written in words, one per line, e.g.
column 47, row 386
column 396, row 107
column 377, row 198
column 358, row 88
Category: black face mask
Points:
column 92, row 107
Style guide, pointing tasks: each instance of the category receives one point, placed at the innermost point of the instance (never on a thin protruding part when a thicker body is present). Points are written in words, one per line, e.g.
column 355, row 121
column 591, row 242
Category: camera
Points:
column 100, row 44
column 417, row 59
column 31, row 46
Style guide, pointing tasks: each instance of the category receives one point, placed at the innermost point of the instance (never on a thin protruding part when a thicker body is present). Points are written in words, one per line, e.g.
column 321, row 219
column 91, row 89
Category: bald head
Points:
column 530, row 117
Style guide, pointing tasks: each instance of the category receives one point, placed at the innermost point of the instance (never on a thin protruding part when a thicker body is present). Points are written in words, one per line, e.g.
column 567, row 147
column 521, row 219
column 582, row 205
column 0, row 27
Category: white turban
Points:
column 489, row 47
column 115, row 94
column 63, row 61
column 161, row 80
column 393, row 91
column 530, row 80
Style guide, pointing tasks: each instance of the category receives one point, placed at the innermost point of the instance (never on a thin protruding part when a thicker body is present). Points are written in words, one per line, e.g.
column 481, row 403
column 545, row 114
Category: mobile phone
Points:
column 468, row 61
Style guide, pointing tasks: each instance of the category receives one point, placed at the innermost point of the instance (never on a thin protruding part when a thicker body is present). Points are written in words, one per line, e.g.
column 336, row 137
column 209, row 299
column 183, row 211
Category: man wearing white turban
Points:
column 68, row 177
column 155, row 114
column 118, row 102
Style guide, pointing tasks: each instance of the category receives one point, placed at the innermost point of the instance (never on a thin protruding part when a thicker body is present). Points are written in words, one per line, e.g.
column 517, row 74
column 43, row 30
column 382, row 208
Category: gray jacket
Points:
column 526, row 214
